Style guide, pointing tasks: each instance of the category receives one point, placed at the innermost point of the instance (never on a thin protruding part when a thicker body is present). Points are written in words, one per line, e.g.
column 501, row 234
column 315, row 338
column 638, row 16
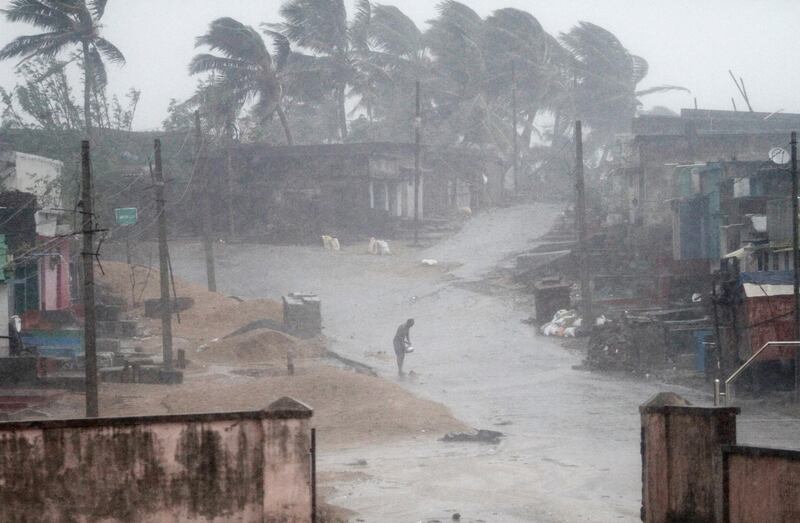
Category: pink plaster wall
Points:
column 762, row 487
column 252, row 466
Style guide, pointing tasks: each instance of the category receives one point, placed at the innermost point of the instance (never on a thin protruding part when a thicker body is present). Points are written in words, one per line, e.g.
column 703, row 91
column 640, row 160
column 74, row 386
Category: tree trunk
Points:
column 285, row 124
column 556, row 130
column 342, row 112
column 87, row 94
column 229, row 174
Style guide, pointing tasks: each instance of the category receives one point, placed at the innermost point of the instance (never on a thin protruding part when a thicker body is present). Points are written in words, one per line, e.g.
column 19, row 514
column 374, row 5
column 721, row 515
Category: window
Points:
column 26, row 288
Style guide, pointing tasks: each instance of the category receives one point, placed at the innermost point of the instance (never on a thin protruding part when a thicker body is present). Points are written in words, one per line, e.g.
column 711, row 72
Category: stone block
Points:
column 152, row 308
column 108, row 345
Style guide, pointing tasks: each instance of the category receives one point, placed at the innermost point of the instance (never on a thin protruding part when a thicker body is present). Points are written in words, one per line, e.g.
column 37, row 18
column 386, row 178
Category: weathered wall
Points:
column 241, row 466
column 761, row 484
column 681, row 459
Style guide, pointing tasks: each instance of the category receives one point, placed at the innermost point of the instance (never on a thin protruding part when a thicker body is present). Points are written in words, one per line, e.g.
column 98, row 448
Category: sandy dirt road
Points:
column 571, row 451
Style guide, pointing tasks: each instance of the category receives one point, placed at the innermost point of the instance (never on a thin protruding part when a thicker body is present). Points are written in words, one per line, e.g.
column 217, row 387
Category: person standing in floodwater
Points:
column 401, row 343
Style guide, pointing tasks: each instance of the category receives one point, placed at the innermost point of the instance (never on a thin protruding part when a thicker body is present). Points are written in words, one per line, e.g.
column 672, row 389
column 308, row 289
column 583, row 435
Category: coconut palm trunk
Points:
column 87, row 92
column 340, row 96
column 229, row 176
column 285, row 124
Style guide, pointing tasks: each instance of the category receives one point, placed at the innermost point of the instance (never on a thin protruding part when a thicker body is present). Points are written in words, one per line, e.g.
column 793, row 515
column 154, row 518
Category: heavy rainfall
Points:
column 347, row 261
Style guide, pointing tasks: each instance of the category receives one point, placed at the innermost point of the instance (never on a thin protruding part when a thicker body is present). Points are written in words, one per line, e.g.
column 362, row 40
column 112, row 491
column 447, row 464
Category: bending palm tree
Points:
column 65, row 22
column 606, row 76
column 321, row 26
column 246, row 68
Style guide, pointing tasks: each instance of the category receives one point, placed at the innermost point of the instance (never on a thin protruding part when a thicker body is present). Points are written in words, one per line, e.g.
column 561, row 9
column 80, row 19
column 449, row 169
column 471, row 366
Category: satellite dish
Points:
column 779, row 156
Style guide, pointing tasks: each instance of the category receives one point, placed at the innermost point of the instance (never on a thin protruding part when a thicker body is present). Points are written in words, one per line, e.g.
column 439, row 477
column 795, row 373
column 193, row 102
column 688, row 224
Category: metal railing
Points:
column 724, row 397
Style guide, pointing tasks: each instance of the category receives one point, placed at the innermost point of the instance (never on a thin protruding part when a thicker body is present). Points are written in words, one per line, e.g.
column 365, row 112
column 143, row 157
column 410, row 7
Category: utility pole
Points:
column 514, row 121
column 208, row 246
column 796, row 266
column 163, row 261
column 580, row 222
column 88, row 254
column 417, row 140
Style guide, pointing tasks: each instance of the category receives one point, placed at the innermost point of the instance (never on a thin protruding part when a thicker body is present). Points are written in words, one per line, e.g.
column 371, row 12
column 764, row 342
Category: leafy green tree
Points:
column 65, row 23
column 244, row 72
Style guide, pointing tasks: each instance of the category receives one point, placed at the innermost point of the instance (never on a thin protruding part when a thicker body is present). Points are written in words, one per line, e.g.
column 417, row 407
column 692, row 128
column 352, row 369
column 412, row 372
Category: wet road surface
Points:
column 571, row 450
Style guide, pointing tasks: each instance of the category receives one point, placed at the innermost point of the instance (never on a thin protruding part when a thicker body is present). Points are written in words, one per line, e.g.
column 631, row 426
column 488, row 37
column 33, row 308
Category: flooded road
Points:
column 571, row 445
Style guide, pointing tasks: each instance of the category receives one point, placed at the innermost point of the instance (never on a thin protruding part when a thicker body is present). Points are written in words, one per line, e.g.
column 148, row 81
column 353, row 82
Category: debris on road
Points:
column 380, row 247
column 567, row 324
column 479, row 436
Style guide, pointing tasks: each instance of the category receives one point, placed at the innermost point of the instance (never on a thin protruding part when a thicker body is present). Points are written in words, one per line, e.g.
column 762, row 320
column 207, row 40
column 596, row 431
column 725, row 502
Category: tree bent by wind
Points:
column 244, row 68
column 65, row 23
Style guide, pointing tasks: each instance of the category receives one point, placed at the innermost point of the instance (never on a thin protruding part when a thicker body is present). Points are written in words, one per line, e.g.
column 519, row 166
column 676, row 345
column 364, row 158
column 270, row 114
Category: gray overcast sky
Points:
column 691, row 43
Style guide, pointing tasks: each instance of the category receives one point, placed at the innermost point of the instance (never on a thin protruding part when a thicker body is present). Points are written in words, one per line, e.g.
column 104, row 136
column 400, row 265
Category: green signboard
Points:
column 126, row 215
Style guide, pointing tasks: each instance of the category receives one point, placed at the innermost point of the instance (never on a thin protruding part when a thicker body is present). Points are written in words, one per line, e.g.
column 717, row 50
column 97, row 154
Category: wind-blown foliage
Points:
column 334, row 47
column 605, row 78
column 65, row 23
column 244, row 70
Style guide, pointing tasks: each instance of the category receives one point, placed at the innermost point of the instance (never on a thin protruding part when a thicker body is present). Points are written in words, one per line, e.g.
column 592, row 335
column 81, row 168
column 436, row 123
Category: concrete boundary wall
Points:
column 233, row 466
column 681, row 459
column 761, row 484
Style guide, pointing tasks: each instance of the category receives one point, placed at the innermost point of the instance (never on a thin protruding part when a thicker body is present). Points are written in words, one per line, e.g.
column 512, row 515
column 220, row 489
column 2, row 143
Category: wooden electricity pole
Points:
column 205, row 214
column 796, row 266
column 514, row 122
column 417, row 140
column 163, row 261
column 580, row 222
column 88, row 254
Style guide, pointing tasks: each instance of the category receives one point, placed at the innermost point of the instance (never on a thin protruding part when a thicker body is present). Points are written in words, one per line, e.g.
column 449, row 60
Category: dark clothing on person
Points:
column 402, row 333
column 401, row 343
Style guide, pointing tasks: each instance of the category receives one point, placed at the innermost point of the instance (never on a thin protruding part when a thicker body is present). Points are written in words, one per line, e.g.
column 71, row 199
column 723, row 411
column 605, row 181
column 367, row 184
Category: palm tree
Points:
column 397, row 57
column 321, row 27
column 246, row 68
column 65, row 22
column 516, row 39
column 605, row 79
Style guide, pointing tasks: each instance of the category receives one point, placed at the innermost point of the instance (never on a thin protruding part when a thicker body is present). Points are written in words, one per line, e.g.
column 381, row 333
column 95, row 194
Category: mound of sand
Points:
column 349, row 408
column 257, row 346
column 212, row 316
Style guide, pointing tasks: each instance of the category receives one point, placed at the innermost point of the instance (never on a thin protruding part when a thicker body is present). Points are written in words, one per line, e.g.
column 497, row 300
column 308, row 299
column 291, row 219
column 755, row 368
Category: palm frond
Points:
column 46, row 44
column 661, row 89
column 110, row 51
column 98, row 8
column 205, row 63
column 394, row 32
column 235, row 40
column 38, row 13
column 281, row 49
column 358, row 32
column 640, row 68
column 317, row 25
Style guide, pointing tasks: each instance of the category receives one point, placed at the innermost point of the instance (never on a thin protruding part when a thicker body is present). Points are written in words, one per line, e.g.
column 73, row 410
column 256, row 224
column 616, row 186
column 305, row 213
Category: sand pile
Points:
column 258, row 346
column 349, row 408
column 212, row 316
